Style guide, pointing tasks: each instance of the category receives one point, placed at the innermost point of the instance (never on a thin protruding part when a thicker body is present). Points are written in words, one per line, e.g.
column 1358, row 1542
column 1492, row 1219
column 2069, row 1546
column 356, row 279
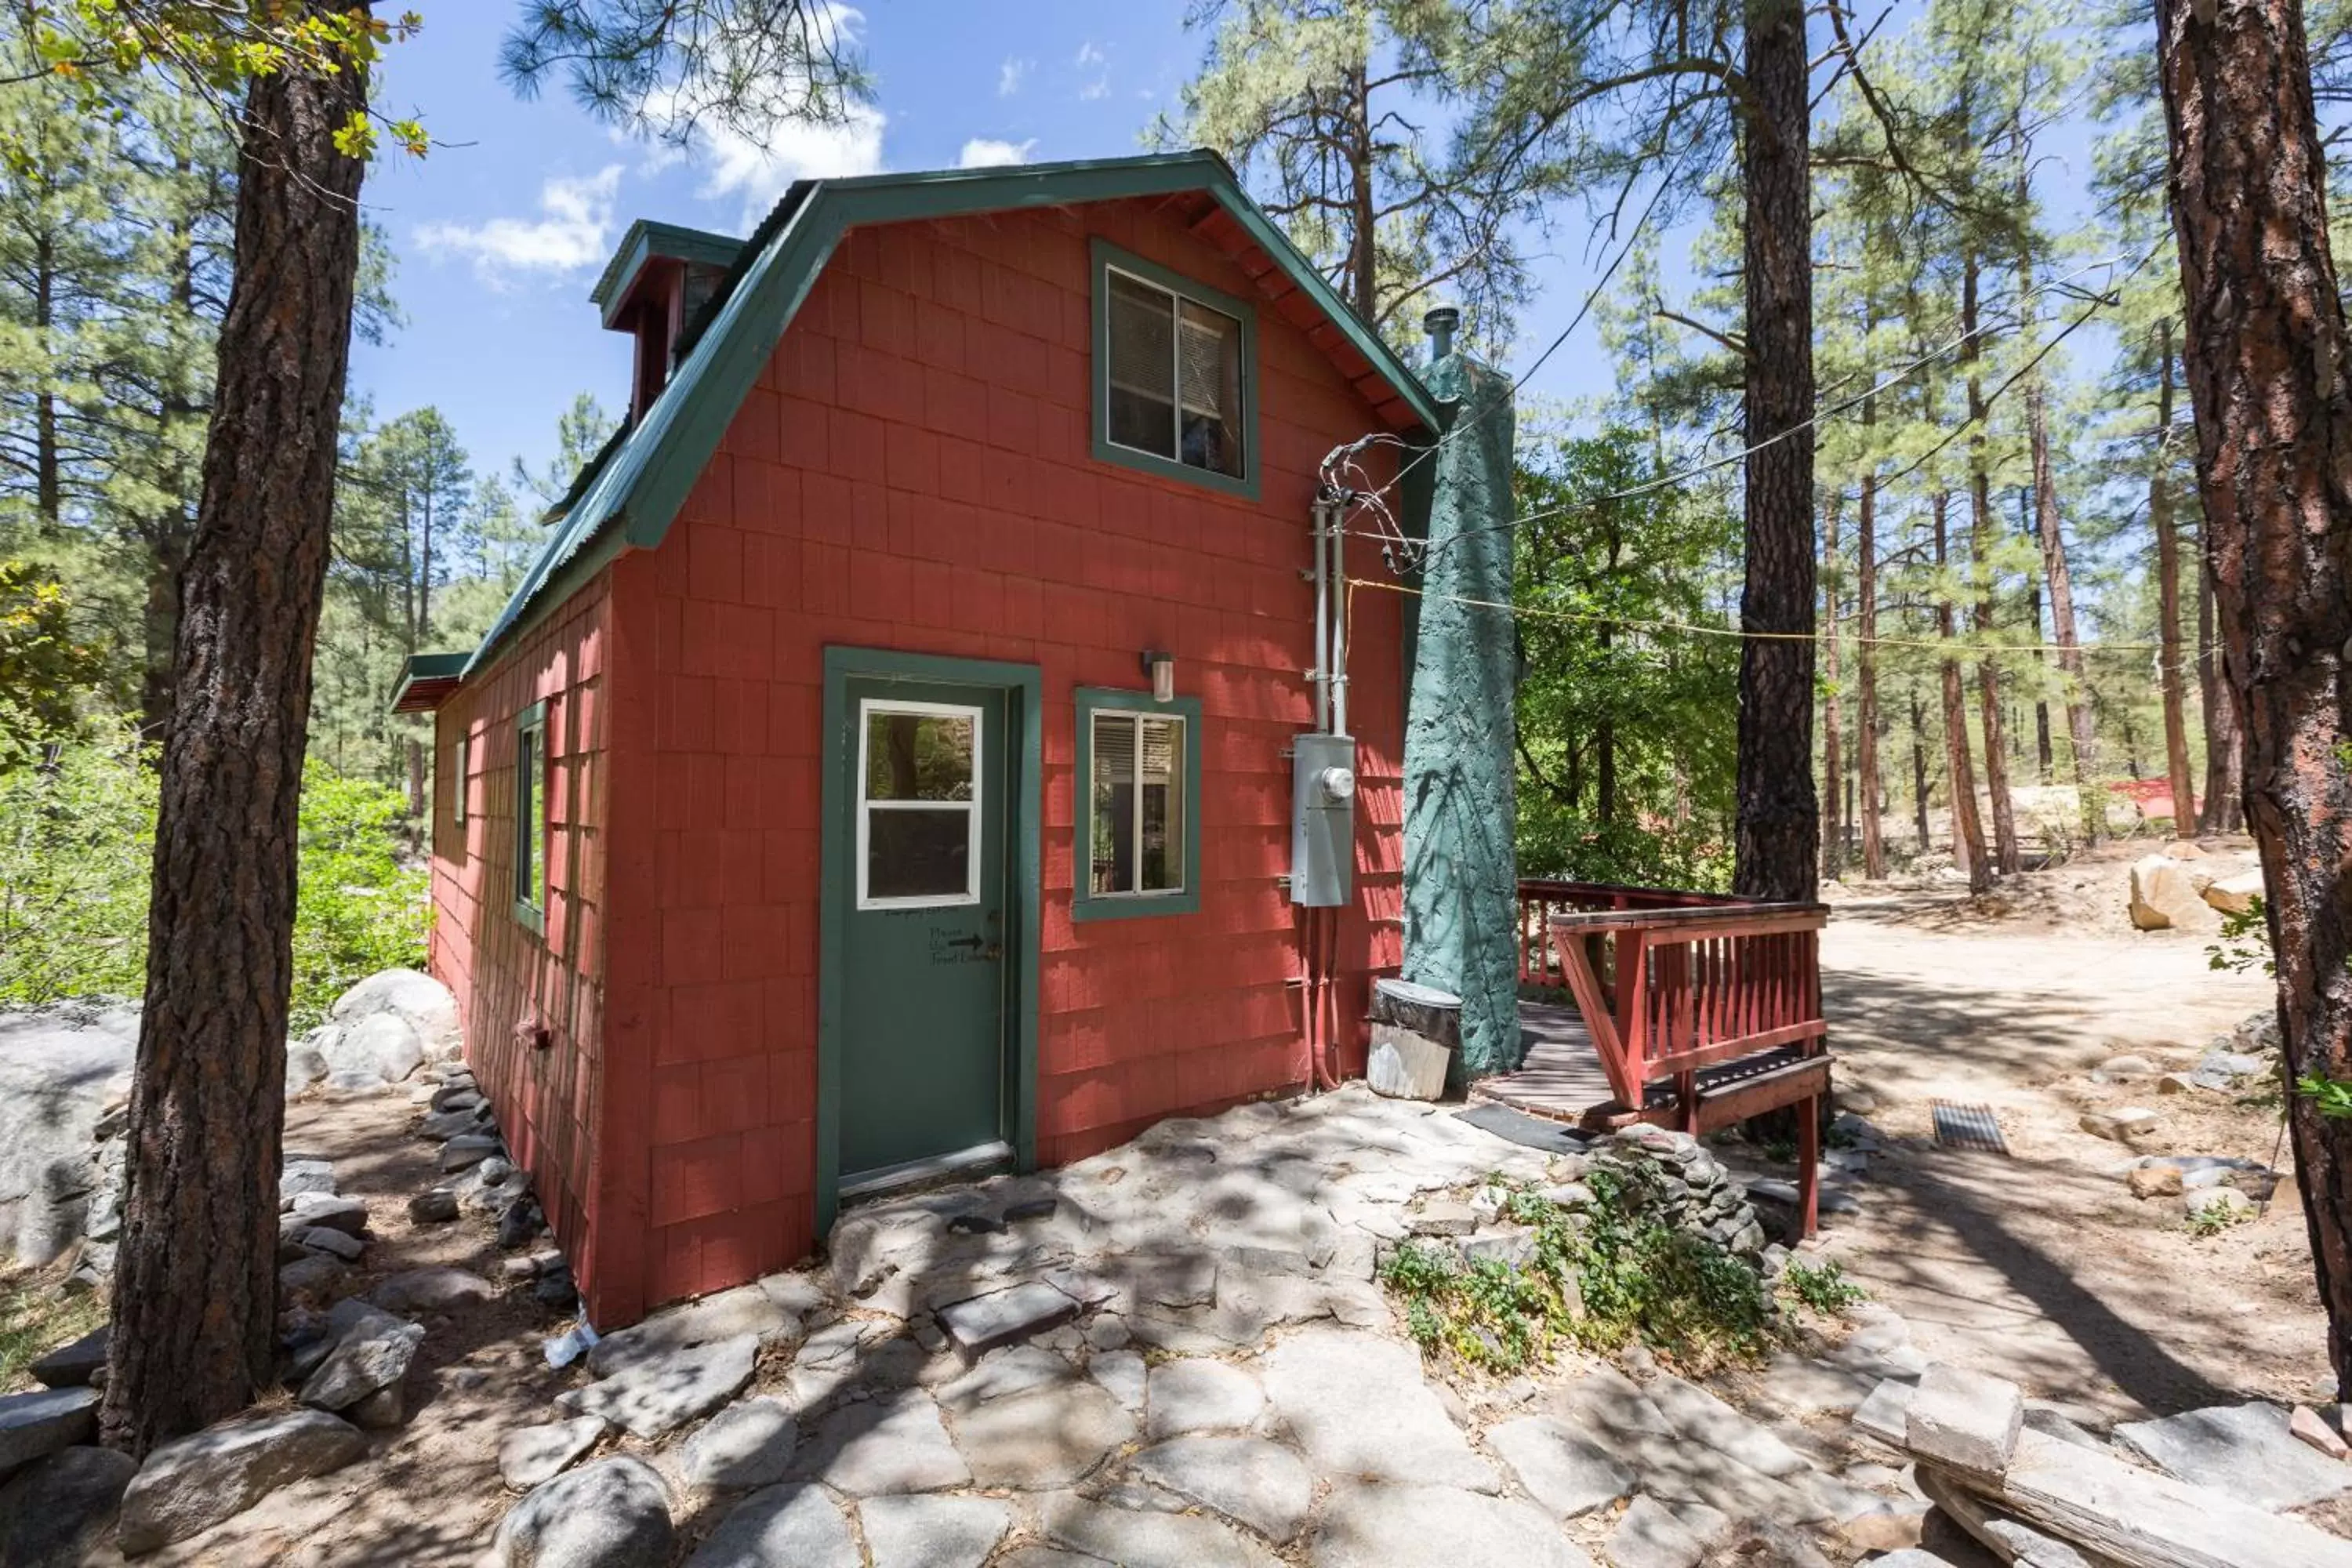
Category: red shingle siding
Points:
column 915, row 472
column 499, row 969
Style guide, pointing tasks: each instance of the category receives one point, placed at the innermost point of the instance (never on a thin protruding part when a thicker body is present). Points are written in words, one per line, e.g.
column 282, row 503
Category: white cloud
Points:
column 1088, row 55
column 986, row 152
column 574, row 230
column 735, row 165
column 1010, row 76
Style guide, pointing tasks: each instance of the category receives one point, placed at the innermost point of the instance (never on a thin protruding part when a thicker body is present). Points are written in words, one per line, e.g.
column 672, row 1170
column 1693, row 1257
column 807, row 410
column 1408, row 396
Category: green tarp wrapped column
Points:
column 1461, row 876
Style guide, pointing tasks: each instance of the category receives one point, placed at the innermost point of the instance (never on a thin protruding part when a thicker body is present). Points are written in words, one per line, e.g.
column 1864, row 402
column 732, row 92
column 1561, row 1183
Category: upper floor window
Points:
column 1174, row 366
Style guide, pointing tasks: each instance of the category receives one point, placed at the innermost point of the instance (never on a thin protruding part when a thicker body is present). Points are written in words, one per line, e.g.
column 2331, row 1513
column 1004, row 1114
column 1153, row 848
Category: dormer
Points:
column 661, row 275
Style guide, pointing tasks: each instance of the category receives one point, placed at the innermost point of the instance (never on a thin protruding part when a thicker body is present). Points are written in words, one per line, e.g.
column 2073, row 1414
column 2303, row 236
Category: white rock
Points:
column 2164, row 896
column 1963, row 1419
column 418, row 999
column 794, row 1525
column 893, row 1443
column 1248, row 1480
column 656, row 1396
column 1359, row 1407
column 381, row 1046
column 1371, row 1526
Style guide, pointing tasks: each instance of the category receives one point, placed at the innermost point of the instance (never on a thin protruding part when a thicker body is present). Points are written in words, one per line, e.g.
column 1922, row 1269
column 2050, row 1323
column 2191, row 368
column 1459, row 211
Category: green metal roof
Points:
column 635, row 495
column 650, row 236
column 425, row 678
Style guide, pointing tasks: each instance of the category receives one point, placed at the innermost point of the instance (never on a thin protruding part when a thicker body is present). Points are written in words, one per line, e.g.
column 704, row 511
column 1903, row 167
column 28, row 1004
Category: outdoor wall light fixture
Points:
column 1162, row 669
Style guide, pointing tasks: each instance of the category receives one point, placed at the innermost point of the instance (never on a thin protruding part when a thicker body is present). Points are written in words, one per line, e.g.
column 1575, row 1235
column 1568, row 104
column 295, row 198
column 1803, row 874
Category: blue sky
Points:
column 501, row 230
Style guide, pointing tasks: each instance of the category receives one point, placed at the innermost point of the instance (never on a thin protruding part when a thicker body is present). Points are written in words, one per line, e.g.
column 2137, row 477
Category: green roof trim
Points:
column 427, row 677
column 636, row 495
column 649, row 238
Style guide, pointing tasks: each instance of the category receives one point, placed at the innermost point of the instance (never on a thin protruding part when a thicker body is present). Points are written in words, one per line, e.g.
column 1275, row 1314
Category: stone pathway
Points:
column 1175, row 1355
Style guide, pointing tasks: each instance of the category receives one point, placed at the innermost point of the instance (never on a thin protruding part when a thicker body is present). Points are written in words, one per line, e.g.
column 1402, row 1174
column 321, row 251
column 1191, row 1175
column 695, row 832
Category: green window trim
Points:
column 1109, row 258
column 530, row 818
column 1085, row 903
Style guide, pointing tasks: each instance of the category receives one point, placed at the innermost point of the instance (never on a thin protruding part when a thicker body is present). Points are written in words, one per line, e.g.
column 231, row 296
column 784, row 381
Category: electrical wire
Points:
column 1693, row 629
column 2097, row 302
column 1345, row 460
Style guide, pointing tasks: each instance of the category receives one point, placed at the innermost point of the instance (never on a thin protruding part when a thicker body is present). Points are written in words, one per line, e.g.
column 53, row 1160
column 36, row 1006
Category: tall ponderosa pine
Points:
column 2270, row 377
column 195, row 1279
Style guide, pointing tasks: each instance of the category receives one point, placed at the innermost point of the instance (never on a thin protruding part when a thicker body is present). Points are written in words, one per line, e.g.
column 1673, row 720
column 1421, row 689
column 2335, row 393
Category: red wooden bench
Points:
column 1704, row 1013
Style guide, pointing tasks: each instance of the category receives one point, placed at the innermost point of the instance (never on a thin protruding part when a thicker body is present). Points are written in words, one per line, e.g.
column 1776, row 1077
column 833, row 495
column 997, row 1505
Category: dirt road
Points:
column 2041, row 1265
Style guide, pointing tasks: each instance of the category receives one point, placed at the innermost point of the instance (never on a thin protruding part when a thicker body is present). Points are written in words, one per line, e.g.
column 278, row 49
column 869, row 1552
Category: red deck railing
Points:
column 1720, row 997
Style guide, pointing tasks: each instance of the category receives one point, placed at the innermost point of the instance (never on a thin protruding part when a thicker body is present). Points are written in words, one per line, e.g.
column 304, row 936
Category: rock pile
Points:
column 377, row 1034
column 1671, row 1177
column 481, row 1178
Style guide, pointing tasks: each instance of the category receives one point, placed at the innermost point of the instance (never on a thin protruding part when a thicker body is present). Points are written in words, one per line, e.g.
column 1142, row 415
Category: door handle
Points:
column 972, row 941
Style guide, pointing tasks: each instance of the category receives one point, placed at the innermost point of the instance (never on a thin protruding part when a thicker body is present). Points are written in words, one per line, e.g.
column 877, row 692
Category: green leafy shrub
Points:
column 1825, row 1289
column 76, row 840
column 1598, row 1278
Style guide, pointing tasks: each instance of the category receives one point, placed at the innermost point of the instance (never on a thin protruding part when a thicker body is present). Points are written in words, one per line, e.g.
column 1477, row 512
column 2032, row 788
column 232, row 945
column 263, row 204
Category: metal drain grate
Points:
column 1967, row 1127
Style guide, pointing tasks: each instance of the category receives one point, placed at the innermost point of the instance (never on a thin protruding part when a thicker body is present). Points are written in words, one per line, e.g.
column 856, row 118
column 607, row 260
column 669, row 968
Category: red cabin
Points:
column 889, row 767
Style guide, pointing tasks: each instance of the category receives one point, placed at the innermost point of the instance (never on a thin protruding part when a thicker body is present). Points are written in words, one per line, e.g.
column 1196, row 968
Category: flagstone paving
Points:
column 1181, row 1357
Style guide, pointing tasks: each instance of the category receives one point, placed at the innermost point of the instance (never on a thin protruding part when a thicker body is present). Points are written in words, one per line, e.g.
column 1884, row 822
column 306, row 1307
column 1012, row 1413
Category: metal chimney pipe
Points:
column 1441, row 323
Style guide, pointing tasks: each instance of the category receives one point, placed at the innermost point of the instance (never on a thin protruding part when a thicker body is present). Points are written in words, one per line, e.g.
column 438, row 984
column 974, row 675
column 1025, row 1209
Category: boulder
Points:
column 2235, row 895
column 373, row 1354
column 431, row 1290
column 57, row 1512
column 381, row 1046
column 2154, row 1181
column 2164, row 896
column 433, row 1208
column 305, row 1065
column 2228, row 1203
column 415, row 999
column 611, row 1514
column 60, row 1068
column 194, row 1482
column 71, row 1365
column 2122, row 1125
column 41, row 1422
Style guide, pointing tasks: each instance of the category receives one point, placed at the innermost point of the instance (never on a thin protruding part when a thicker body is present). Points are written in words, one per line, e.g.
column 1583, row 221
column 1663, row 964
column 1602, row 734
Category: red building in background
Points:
column 889, row 767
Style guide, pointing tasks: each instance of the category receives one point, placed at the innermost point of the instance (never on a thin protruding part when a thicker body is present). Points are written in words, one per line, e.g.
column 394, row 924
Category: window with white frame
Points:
column 457, row 793
column 919, row 805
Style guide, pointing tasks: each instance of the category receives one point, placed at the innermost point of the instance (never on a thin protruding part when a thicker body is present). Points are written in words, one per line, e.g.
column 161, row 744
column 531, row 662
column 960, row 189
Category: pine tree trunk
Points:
column 2269, row 378
column 2224, row 757
column 2006, row 858
column 1968, row 828
column 1363, row 258
column 1779, row 833
column 197, row 1276
column 2168, row 597
column 1865, row 728
column 1919, row 772
column 2079, row 727
column 1832, row 707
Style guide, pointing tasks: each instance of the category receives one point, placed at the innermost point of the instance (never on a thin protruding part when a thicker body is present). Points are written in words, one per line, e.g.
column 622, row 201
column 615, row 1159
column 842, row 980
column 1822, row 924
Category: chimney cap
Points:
column 1441, row 323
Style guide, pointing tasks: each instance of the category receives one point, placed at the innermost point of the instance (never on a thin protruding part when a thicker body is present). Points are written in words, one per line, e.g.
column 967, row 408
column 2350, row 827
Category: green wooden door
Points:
column 925, row 792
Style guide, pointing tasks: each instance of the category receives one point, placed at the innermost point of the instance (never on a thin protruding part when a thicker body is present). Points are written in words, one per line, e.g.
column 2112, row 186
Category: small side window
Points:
column 458, row 766
column 1139, row 786
column 531, row 817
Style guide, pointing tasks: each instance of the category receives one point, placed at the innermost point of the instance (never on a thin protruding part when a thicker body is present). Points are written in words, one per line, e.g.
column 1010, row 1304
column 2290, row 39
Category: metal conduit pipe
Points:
column 1322, row 671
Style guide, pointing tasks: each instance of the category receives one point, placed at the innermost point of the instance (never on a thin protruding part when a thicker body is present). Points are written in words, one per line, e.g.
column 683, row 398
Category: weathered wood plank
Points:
column 2139, row 1519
